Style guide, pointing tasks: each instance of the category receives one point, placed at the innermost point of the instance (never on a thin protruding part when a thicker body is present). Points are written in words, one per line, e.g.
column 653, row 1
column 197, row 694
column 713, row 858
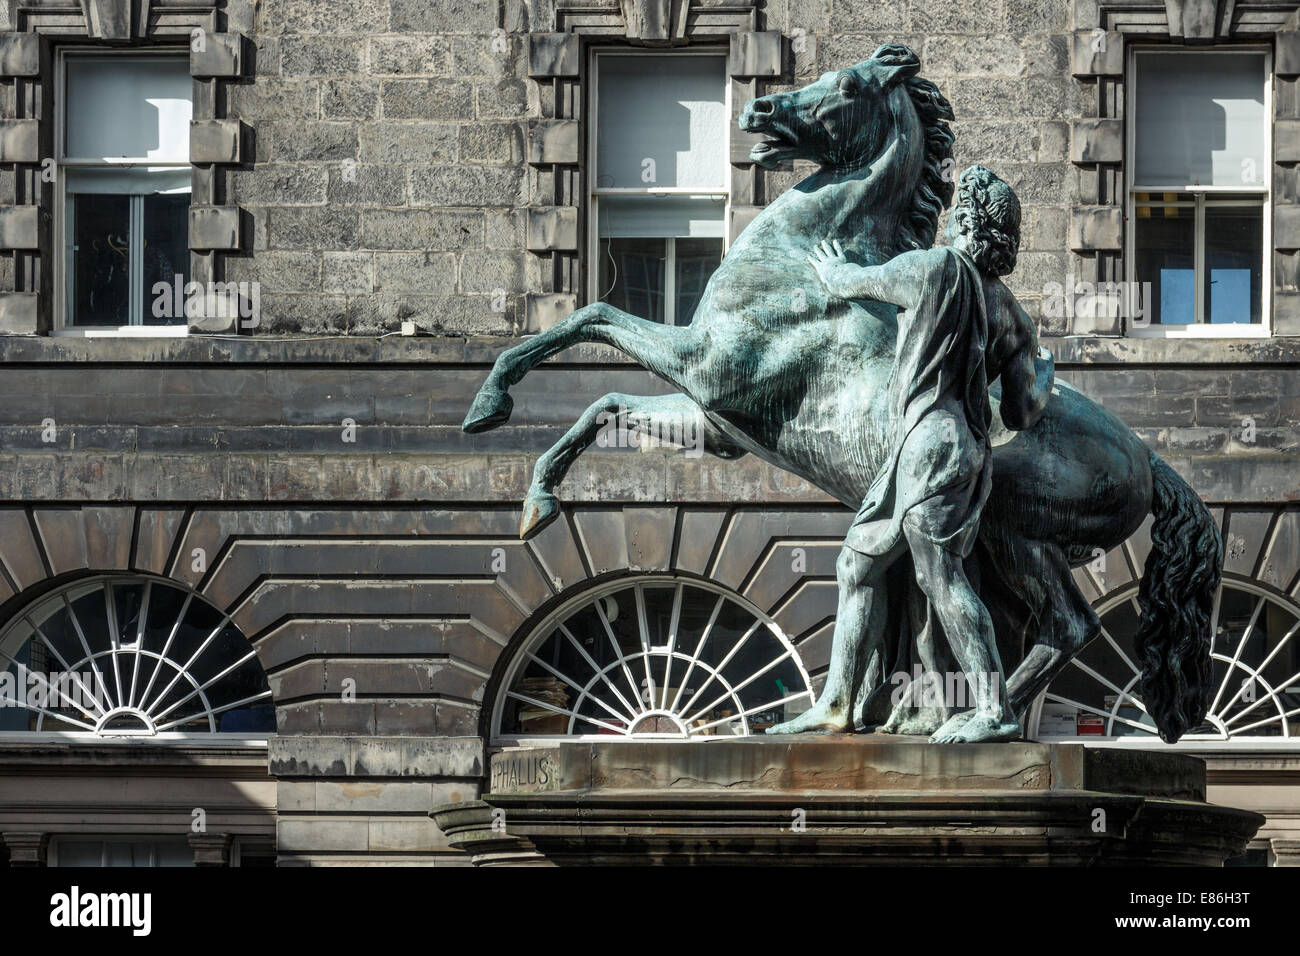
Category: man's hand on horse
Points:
column 832, row 267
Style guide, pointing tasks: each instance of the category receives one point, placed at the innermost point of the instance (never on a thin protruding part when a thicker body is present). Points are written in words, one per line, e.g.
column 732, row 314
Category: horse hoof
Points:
column 540, row 509
column 492, row 407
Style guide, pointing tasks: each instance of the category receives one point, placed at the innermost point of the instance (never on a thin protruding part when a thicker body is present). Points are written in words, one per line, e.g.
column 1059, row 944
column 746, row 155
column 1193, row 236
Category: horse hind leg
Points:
column 1067, row 624
column 665, row 350
column 674, row 417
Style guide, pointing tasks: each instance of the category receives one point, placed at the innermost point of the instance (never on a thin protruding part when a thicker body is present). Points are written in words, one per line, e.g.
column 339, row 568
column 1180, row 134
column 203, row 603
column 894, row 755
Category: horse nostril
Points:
column 763, row 106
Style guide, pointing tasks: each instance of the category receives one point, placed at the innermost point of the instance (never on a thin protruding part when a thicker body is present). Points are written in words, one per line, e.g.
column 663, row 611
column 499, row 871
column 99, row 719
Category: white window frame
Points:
column 172, row 738
column 594, row 193
column 540, row 634
column 1237, row 744
column 1199, row 329
column 62, row 324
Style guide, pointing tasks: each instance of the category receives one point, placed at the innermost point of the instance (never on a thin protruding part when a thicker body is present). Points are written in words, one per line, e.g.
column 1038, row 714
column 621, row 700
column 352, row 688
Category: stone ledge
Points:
column 342, row 480
column 808, row 801
column 201, row 758
column 840, row 764
column 376, row 757
column 482, row 351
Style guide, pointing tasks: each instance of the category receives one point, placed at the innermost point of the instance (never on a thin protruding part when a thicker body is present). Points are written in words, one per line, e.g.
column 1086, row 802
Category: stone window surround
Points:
column 1098, row 54
column 38, row 849
column 558, row 63
column 27, row 55
column 232, row 823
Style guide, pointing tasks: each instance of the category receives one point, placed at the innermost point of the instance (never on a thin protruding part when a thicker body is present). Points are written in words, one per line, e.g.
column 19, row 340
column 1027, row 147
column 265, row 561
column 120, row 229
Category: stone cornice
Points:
column 482, row 351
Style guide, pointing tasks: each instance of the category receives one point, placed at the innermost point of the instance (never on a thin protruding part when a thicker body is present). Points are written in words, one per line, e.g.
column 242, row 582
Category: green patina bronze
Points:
column 979, row 483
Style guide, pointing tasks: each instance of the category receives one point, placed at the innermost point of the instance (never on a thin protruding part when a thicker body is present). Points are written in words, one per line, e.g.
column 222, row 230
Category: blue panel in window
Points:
column 1230, row 295
column 1177, row 296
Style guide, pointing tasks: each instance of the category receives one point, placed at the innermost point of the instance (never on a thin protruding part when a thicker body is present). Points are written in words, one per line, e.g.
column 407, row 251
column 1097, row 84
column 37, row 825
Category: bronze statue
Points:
column 959, row 328
column 802, row 380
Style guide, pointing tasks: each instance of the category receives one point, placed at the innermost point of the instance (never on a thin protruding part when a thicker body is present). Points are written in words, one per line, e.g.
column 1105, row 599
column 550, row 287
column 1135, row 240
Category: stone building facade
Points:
column 364, row 169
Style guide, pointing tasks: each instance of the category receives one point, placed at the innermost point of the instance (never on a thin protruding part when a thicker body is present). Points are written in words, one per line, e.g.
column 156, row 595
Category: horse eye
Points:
column 848, row 85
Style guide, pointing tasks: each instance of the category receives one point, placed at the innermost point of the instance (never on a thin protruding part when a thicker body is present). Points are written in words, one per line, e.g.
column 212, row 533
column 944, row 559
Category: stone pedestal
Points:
column 862, row 799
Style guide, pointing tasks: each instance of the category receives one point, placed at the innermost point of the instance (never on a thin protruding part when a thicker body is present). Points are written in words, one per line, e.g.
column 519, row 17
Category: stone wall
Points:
column 388, row 174
column 390, row 145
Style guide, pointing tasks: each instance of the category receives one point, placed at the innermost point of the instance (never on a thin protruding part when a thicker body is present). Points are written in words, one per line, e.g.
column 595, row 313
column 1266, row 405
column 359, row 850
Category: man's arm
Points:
column 1027, row 376
column 897, row 282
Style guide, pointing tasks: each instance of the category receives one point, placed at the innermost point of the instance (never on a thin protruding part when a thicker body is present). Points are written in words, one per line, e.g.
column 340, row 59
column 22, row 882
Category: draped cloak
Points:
column 940, row 459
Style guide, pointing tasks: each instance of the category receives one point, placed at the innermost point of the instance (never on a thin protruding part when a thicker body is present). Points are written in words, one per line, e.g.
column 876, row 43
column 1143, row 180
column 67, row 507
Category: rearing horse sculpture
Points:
column 772, row 366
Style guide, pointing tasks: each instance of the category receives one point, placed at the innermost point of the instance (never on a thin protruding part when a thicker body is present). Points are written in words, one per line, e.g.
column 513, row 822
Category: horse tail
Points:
column 1176, row 598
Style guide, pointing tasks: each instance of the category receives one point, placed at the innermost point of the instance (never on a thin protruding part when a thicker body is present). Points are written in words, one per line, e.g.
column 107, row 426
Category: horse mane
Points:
column 934, row 190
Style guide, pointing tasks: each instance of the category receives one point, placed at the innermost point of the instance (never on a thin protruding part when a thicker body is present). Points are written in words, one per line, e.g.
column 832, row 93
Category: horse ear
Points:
column 894, row 62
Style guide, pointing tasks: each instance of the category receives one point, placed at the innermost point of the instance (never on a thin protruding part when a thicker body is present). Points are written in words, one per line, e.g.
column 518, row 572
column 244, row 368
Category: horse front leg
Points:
column 665, row 350
column 675, row 417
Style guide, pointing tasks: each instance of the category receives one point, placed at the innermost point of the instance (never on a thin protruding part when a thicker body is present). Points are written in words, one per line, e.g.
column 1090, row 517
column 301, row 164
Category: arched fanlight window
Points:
column 1255, row 673
column 652, row 657
column 134, row 656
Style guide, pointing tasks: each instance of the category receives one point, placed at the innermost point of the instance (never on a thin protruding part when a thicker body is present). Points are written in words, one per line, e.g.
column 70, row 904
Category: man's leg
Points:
column 969, row 629
column 859, row 631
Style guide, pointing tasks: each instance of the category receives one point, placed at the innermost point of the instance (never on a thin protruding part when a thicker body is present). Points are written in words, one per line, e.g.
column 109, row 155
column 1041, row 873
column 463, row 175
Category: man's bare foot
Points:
column 968, row 728
column 817, row 719
column 951, row 726
column 894, row 725
column 920, row 723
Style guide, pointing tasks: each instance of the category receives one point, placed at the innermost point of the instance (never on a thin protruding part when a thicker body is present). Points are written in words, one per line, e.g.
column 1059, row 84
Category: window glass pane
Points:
column 1234, row 262
column 661, row 121
column 639, row 216
column 99, row 229
column 696, row 261
column 166, row 251
column 128, row 854
column 119, row 107
column 1199, row 119
column 81, row 853
column 13, row 686
column 124, row 853
column 632, row 276
column 1166, row 251
column 173, row 853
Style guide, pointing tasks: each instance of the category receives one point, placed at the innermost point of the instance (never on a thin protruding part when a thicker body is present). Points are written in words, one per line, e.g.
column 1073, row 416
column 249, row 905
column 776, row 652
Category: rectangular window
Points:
column 123, row 179
column 120, row 851
column 1198, row 201
column 658, row 180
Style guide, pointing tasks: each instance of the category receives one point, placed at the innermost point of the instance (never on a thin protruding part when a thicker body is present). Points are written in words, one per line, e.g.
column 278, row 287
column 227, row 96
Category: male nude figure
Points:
column 959, row 328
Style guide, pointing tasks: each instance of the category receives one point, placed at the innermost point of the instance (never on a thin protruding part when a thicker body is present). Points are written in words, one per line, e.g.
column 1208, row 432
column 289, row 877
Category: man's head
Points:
column 985, row 222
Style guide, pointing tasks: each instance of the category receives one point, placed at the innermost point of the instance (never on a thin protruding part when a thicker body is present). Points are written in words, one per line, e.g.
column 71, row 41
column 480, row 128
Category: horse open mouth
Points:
column 771, row 150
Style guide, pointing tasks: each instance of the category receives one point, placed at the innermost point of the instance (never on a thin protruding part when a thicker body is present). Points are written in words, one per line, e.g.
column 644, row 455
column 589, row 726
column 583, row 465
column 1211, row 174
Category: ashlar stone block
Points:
column 215, row 141
column 552, row 54
column 552, row 228
column 220, row 54
column 553, row 143
column 214, row 227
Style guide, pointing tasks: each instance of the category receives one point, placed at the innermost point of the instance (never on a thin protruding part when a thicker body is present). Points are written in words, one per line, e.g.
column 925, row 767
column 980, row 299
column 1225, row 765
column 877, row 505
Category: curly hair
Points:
column 988, row 220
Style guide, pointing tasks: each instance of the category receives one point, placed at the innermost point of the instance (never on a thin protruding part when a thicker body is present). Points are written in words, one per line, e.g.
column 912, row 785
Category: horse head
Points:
column 876, row 122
